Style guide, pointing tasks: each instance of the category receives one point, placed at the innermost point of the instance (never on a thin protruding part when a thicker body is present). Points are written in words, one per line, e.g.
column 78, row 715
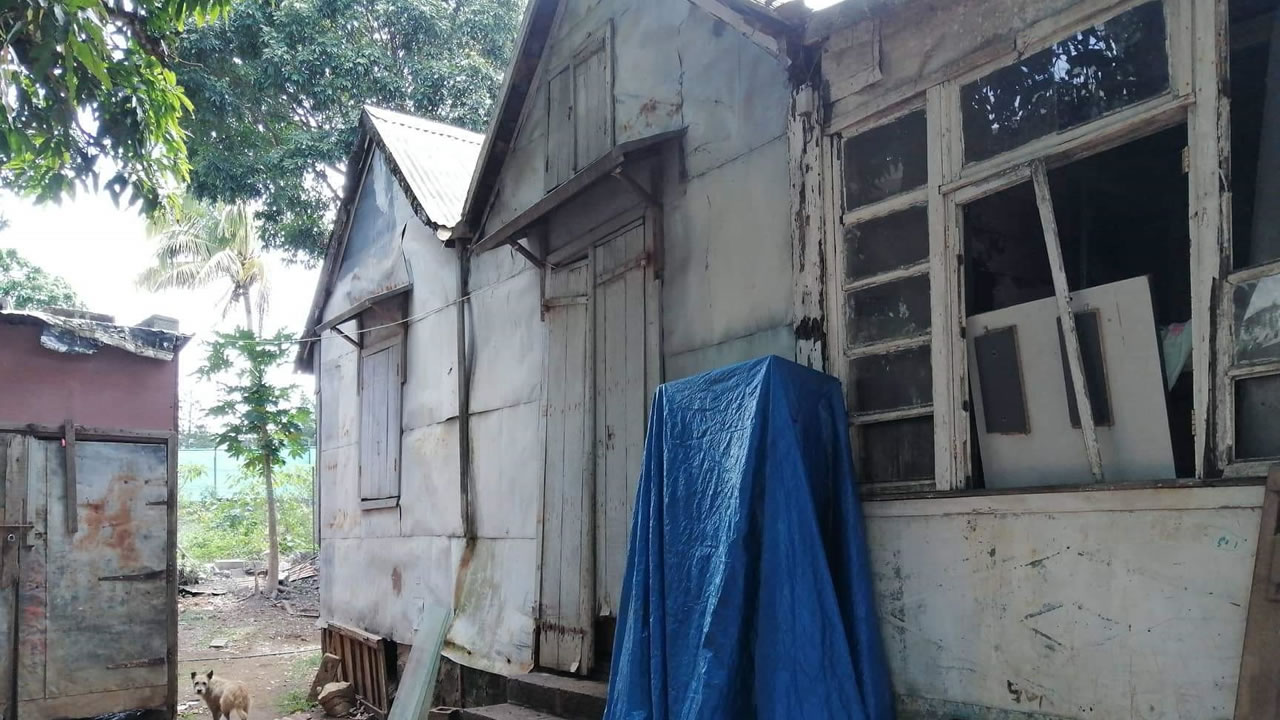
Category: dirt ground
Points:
column 276, row 654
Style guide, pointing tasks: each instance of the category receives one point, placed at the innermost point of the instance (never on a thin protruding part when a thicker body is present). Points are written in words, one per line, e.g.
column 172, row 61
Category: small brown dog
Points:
column 226, row 698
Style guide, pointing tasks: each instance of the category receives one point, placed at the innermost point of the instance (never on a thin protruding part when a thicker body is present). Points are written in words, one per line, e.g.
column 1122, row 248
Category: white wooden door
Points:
column 566, row 614
column 622, row 370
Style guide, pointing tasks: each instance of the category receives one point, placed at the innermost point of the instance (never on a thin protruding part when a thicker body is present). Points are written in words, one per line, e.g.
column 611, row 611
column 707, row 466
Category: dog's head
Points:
column 201, row 682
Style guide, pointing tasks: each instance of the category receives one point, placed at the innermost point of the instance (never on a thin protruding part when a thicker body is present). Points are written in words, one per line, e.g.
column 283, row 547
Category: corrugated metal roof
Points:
column 434, row 160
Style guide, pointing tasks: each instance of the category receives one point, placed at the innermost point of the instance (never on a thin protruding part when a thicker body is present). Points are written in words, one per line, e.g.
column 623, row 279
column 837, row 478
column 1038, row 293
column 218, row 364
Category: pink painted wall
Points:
column 110, row 388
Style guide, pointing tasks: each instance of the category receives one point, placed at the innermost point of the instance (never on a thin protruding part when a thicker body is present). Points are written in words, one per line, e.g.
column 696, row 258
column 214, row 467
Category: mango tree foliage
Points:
column 27, row 286
column 278, row 86
column 87, row 90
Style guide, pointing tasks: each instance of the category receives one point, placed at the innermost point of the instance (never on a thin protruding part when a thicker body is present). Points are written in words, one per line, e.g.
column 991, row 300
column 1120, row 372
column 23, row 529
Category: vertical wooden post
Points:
column 1075, row 362
column 171, row 576
column 804, row 138
column 69, row 452
column 1257, row 697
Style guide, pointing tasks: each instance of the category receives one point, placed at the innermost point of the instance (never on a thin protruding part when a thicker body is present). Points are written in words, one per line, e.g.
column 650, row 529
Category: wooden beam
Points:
column 355, row 341
column 71, row 506
column 361, row 306
column 1256, row 696
column 808, row 228
column 171, row 579
column 1075, row 362
column 572, row 187
column 90, row 433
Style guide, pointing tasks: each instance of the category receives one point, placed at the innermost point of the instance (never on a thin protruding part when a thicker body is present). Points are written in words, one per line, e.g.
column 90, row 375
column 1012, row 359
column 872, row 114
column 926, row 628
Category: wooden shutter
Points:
column 559, row 128
column 593, row 105
column 381, row 375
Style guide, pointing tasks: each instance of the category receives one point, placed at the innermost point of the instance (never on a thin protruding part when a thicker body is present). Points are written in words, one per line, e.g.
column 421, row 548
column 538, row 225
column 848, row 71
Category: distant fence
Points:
column 219, row 471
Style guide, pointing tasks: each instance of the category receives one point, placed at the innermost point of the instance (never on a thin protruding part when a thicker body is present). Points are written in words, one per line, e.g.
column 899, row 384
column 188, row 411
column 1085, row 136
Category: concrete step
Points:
column 505, row 712
column 565, row 697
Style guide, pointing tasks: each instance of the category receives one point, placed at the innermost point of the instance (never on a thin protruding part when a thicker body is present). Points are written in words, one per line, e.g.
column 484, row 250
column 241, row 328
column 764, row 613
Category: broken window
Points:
column 1121, row 224
column 886, row 300
column 1102, row 68
column 1253, row 290
column 381, row 381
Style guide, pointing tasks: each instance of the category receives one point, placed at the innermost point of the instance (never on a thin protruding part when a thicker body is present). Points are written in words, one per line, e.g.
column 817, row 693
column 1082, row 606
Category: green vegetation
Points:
column 87, row 87
column 235, row 525
column 29, row 287
column 264, row 422
column 278, row 88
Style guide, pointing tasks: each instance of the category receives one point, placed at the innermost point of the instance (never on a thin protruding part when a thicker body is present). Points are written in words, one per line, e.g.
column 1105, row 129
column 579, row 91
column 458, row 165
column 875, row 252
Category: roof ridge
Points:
column 436, row 127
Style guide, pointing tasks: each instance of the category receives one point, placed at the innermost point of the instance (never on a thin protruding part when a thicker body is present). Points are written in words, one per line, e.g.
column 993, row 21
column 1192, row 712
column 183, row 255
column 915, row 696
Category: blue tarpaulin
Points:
column 748, row 585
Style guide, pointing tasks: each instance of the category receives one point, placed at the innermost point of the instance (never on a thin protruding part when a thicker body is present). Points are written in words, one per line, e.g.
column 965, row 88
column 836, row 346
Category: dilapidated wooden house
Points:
column 1035, row 240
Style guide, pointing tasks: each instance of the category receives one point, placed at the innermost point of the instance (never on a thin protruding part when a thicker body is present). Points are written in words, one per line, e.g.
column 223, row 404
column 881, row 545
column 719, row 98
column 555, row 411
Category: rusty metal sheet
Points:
column 104, row 635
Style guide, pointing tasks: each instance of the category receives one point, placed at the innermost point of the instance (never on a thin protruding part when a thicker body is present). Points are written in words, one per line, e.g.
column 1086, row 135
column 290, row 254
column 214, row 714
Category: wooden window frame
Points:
column 394, row 337
column 599, row 41
column 1196, row 98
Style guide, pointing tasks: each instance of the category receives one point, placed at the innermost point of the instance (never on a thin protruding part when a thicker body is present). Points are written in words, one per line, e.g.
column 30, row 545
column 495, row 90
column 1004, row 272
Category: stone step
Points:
column 505, row 712
column 565, row 697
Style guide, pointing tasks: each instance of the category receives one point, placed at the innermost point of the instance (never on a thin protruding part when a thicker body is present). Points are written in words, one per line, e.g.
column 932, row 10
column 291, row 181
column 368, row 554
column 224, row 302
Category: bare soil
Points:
column 276, row 654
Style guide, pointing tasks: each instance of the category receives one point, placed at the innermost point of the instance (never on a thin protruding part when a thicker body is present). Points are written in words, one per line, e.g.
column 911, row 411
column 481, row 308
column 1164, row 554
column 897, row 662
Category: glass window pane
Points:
column 1100, row 69
column 885, row 161
column 896, row 450
column 1257, row 407
column 886, row 243
column 894, row 310
column 1257, row 310
column 890, row 382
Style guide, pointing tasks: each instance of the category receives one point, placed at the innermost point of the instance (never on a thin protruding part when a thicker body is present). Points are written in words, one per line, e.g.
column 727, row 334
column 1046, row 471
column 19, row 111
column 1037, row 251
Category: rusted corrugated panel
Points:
column 435, row 160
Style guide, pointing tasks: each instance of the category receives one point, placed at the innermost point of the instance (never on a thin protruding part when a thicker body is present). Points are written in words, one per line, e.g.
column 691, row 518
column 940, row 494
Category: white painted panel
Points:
column 494, row 626
column 1135, row 447
column 728, row 253
column 340, row 514
column 780, row 341
column 380, row 584
column 429, row 497
column 507, row 342
column 506, row 469
column 1069, row 604
column 338, row 387
column 431, row 383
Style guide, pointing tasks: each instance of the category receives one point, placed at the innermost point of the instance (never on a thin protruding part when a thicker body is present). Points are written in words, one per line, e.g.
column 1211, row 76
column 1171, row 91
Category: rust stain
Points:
column 397, row 581
column 109, row 522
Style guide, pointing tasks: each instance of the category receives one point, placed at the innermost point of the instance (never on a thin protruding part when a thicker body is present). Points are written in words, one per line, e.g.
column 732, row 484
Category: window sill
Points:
column 379, row 504
column 1172, row 495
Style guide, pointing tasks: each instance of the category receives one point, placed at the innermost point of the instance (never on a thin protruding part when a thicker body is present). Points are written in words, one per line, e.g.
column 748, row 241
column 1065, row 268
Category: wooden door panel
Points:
column 565, row 620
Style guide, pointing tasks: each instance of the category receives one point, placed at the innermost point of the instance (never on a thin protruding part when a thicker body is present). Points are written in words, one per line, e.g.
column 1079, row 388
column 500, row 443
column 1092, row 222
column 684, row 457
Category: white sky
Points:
column 99, row 250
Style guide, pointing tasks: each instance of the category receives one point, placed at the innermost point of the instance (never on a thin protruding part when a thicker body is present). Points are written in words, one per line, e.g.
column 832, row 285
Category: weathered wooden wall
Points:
column 1113, row 604
column 726, row 288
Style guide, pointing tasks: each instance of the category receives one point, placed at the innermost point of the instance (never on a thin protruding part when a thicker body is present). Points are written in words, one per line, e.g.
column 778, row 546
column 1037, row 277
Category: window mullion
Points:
column 951, row 423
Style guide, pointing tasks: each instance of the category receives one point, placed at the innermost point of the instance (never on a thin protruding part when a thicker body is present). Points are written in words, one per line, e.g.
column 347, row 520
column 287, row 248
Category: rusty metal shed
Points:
column 88, row 492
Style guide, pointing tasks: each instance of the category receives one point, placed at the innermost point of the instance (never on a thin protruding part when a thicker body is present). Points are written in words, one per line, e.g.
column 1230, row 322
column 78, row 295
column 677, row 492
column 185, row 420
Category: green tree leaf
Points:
column 28, row 287
column 278, row 88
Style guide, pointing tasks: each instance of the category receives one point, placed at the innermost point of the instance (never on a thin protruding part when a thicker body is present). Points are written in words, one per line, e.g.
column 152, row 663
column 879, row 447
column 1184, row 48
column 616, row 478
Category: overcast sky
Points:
column 99, row 250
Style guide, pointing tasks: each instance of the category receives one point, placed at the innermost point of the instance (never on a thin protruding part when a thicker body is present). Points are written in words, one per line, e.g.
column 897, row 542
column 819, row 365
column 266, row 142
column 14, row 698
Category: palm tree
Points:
column 202, row 245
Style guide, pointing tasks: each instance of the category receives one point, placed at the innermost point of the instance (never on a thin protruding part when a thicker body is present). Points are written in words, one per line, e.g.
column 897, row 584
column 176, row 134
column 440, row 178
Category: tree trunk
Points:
column 273, row 537
column 248, row 312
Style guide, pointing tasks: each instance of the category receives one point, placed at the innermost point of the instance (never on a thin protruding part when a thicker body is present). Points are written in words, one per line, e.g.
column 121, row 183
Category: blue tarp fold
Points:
column 748, row 586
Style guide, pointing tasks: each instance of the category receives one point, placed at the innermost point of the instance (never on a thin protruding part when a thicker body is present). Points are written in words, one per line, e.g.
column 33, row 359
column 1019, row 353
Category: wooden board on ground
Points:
column 330, row 671
column 418, row 684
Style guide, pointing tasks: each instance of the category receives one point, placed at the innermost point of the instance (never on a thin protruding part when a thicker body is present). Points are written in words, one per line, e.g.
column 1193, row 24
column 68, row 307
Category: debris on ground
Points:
column 338, row 699
column 330, row 671
column 219, row 643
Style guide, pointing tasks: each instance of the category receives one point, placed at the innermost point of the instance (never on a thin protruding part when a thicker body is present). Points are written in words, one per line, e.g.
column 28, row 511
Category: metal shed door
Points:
column 565, row 620
column 89, row 605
